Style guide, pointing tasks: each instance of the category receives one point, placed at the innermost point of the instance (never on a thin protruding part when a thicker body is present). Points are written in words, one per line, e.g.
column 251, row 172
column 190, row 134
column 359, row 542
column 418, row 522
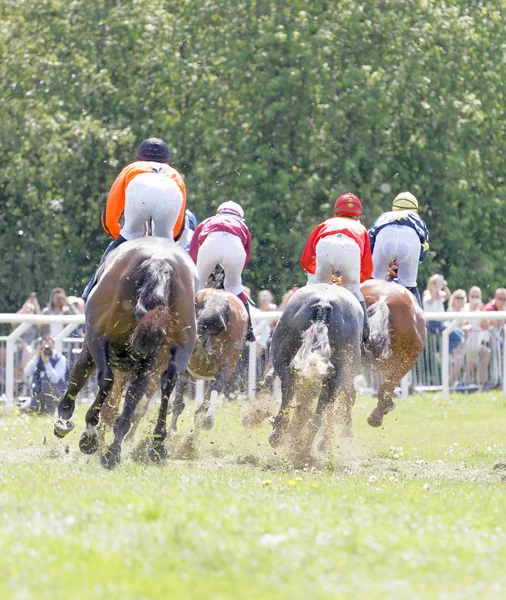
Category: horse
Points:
column 398, row 336
column 140, row 318
column 316, row 343
column 222, row 322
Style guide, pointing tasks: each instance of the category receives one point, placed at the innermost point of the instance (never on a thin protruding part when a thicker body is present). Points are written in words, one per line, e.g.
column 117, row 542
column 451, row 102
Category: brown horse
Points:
column 222, row 322
column 398, row 336
column 140, row 318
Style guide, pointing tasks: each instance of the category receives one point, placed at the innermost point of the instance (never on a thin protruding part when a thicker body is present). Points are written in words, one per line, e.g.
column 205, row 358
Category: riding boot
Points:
column 114, row 244
column 366, row 330
column 416, row 294
column 250, row 335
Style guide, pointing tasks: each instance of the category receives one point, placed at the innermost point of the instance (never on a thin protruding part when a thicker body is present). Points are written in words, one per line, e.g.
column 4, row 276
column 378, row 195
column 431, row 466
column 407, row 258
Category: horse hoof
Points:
column 89, row 444
column 65, row 411
column 62, row 427
column 110, row 458
column 375, row 419
column 389, row 408
column 207, row 422
column 275, row 439
column 157, row 452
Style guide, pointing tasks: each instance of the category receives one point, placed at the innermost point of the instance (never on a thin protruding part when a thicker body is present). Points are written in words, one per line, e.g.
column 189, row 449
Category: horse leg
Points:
column 206, row 421
column 385, row 403
column 178, row 404
column 157, row 450
column 142, row 408
column 89, row 442
column 281, row 420
column 325, row 398
column 83, row 368
column 347, row 403
column 110, row 409
column 111, row 455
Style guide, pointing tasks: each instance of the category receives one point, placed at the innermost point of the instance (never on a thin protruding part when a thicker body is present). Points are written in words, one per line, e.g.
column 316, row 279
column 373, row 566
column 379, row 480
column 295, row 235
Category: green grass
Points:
column 412, row 510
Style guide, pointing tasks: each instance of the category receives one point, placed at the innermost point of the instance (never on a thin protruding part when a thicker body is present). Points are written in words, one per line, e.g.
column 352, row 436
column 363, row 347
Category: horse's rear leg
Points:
column 142, row 408
column 385, row 403
column 345, row 406
column 157, row 451
column 206, row 413
column 178, row 404
column 110, row 410
column 111, row 456
column 83, row 368
column 281, row 421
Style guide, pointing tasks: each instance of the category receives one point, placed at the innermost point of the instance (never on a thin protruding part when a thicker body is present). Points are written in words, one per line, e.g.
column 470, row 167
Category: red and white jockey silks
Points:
column 354, row 230
column 223, row 239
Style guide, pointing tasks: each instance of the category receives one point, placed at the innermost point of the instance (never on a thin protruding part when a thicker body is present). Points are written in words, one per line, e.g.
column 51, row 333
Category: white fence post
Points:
column 9, row 366
column 252, row 370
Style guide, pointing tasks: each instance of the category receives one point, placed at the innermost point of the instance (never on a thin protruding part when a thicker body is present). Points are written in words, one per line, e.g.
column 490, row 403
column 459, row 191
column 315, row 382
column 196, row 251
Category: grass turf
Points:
column 414, row 509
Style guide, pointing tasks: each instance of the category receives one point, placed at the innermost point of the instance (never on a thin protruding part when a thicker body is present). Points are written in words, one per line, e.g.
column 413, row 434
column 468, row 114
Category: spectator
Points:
column 497, row 304
column 434, row 297
column 58, row 305
column 477, row 343
column 286, row 297
column 266, row 300
column 457, row 336
column 49, row 373
column 30, row 307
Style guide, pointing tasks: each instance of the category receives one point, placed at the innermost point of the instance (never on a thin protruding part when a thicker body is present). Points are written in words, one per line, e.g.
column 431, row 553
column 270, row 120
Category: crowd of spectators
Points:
column 40, row 373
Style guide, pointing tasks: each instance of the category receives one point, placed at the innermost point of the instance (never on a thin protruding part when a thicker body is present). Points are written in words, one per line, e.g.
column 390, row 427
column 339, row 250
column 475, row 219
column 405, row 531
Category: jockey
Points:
column 224, row 239
column 190, row 224
column 400, row 235
column 341, row 244
column 147, row 188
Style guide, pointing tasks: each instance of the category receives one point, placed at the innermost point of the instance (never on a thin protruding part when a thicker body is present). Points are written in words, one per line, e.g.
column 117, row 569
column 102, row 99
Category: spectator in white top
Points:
column 478, row 350
column 434, row 297
column 49, row 371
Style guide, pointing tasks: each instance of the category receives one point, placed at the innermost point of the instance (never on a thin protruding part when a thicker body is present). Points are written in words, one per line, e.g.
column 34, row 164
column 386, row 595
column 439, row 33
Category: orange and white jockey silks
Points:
column 401, row 243
column 339, row 253
column 228, row 250
column 155, row 196
column 116, row 200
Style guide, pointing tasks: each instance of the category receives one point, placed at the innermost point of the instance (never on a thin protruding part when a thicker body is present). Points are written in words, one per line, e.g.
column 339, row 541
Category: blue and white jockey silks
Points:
column 402, row 236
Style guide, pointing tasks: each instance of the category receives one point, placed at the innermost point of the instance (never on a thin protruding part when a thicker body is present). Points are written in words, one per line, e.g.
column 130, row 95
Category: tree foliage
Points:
column 280, row 106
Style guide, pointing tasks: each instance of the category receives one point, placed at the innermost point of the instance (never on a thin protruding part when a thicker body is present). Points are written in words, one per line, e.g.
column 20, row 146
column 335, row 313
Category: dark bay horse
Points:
column 316, row 341
column 398, row 336
column 140, row 318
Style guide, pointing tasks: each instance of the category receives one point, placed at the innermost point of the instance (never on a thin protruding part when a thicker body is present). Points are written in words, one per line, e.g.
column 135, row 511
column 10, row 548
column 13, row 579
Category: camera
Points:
column 47, row 351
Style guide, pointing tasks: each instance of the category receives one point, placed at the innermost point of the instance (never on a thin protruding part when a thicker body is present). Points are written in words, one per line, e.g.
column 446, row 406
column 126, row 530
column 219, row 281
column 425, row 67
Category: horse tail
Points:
column 378, row 346
column 214, row 315
column 312, row 360
column 153, row 280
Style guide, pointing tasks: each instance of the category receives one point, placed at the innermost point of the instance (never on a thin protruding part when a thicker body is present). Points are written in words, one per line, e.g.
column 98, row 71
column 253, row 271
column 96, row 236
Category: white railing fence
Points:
column 432, row 371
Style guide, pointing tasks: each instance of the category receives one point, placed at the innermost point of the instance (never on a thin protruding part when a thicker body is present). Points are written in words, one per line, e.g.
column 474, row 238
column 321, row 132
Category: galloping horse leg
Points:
column 280, row 421
column 110, row 410
column 206, row 421
column 111, row 456
column 142, row 408
column 83, row 368
column 347, row 403
column 88, row 443
column 385, row 403
column 325, row 399
column 157, row 450
column 178, row 404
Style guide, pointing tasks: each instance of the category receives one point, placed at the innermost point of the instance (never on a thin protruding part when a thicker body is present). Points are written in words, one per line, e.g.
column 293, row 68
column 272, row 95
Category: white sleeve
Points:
column 56, row 373
column 30, row 366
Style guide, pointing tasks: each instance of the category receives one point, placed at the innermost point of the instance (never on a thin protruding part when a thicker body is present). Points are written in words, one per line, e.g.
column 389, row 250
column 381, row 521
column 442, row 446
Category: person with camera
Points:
column 49, row 373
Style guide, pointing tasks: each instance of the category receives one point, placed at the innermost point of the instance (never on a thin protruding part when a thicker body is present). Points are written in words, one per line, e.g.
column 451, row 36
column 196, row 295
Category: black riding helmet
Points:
column 153, row 149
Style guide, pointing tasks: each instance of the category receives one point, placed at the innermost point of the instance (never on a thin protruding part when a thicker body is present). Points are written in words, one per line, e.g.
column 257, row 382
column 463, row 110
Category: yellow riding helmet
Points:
column 405, row 201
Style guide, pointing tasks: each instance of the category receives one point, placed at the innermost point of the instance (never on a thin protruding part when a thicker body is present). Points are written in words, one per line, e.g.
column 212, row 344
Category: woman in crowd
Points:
column 477, row 343
column 434, row 297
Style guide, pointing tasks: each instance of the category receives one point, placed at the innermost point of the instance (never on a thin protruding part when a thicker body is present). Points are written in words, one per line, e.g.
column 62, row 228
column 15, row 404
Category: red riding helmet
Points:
column 348, row 205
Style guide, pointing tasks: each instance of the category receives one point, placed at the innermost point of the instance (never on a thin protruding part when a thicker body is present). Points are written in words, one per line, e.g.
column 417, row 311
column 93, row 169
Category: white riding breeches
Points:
column 227, row 249
column 401, row 243
column 155, row 196
column 341, row 254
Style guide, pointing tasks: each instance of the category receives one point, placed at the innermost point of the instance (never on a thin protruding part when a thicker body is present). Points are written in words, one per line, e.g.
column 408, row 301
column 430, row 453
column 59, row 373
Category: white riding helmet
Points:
column 231, row 208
